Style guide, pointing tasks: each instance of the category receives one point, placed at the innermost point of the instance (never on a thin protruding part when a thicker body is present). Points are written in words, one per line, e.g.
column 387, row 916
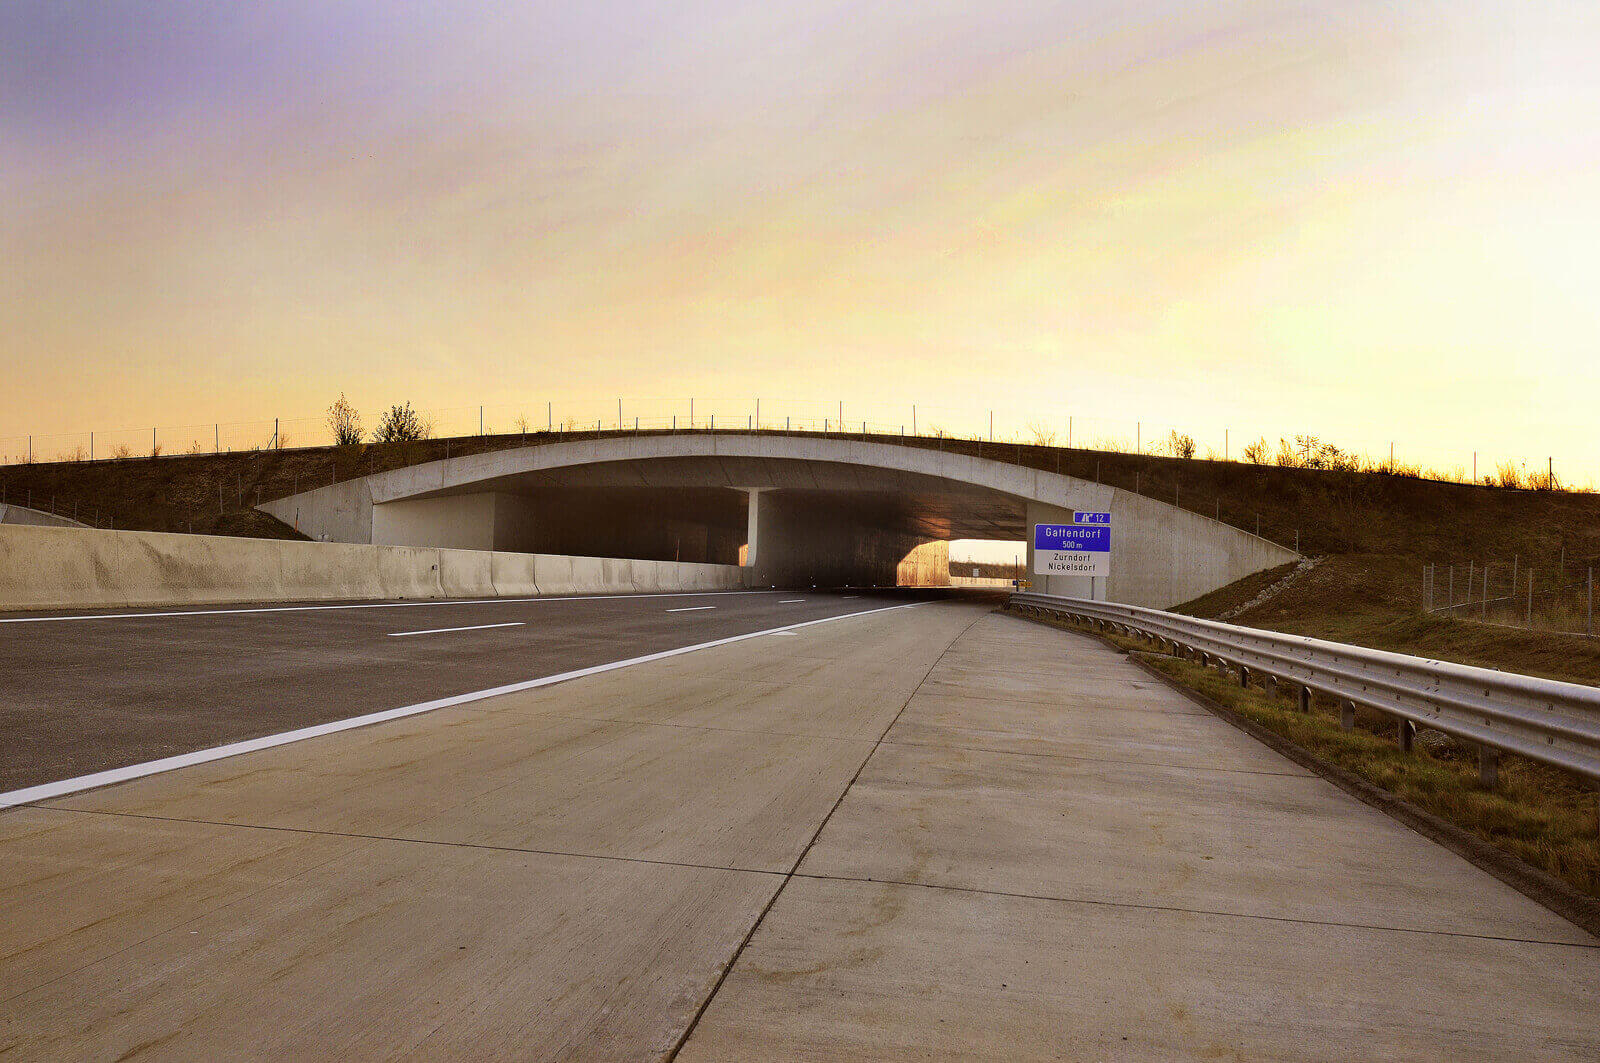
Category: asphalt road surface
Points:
column 88, row 691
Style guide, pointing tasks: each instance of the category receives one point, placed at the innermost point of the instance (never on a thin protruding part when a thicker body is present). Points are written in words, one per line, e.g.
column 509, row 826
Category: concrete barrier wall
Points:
column 66, row 568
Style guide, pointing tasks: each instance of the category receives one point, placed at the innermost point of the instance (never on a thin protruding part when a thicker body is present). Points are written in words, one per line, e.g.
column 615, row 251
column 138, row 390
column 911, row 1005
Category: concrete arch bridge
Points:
column 793, row 510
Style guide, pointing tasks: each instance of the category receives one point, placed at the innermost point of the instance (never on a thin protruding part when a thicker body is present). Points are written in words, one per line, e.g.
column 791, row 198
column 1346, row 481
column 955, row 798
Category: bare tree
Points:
column 1181, row 446
column 345, row 422
column 1043, row 434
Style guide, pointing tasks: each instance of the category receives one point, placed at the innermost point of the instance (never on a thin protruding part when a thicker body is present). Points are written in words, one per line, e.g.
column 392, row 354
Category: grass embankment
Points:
column 1373, row 600
column 216, row 494
column 1541, row 815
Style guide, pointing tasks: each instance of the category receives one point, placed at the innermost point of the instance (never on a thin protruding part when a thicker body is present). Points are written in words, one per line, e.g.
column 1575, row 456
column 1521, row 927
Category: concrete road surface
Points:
column 927, row 833
column 84, row 692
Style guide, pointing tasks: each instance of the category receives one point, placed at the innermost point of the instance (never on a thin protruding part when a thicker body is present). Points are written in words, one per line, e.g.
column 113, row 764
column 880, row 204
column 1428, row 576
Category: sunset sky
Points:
column 1373, row 221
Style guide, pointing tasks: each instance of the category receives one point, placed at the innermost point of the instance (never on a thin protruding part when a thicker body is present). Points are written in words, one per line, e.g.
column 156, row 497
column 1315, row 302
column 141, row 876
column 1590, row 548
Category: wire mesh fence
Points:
column 1514, row 594
column 664, row 413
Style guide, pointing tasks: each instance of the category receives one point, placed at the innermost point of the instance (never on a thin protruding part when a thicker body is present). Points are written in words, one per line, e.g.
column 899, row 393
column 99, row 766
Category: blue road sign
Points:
column 1077, row 549
column 1096, row 538
column 1091, row 518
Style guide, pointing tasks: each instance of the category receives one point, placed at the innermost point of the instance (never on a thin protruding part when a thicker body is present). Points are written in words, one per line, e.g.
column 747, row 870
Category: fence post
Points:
column 1591, row 600
column 1530, row 597
column 1488, row 766
column 91, row 446
column 1483, row 599
column 1451, row 582
column 1470, row 574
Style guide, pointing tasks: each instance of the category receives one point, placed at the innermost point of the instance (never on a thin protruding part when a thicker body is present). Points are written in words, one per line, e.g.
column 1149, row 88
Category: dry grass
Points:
column 1374, row 600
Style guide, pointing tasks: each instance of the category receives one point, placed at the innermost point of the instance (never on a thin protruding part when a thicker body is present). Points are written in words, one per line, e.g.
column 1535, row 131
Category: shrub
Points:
column 401, row 424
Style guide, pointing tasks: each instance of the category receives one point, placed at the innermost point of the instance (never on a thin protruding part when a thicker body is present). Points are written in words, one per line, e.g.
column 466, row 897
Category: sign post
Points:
column 1082, row 548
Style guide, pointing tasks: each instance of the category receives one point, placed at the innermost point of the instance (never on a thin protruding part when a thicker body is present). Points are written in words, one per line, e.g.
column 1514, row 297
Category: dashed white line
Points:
column 48, row 790
column 690, row 608
column 790, row 601
column 367, row 605
column 847, row 597
column 447, row 630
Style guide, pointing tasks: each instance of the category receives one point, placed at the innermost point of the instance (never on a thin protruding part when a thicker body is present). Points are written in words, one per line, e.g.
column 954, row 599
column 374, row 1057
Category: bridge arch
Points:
column 793, row 509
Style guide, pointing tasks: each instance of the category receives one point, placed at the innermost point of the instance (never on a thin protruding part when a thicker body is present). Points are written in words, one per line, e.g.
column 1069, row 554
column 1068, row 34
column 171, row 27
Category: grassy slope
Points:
column 1372, row 600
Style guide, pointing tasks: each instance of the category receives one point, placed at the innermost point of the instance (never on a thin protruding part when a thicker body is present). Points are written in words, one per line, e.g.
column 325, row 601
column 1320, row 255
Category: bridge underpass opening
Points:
column 987, row 562
column 786, row 537
column 792, row 510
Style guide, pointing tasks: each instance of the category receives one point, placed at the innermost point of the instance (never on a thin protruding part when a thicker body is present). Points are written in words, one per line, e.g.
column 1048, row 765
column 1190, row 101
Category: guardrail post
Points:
column 1488, row 766
column 1408, row 735
column 1244, row 676
column 1305, row 699
column 1347, row 716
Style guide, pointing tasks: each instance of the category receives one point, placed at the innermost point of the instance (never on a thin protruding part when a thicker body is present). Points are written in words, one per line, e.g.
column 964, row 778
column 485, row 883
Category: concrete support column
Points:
column 752, row 551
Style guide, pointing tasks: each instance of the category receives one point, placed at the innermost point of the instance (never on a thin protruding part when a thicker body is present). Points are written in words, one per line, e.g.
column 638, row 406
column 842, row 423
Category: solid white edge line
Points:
column 373, row 605
column 45, row 791
column 690, row 608
column 446, row 630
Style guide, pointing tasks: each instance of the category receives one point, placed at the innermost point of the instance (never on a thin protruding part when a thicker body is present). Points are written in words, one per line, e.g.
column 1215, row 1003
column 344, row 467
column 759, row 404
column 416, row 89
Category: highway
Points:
column 920, row 831
column 86, row 691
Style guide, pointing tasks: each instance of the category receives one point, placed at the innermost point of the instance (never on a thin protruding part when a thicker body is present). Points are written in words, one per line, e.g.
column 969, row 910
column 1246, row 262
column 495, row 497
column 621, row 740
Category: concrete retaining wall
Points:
column 66, row 568
column 15, row 514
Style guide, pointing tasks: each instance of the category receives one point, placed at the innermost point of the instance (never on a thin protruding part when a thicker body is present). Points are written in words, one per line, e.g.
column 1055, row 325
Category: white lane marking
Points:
column 373, row 605
column 690, row 608
column 847, row 597
column 45, row 791
column 791, row 601
column 445, row 630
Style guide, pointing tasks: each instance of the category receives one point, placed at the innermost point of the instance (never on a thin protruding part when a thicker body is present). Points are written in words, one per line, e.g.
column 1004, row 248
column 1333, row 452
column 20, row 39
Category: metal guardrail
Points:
column 1544, row 720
